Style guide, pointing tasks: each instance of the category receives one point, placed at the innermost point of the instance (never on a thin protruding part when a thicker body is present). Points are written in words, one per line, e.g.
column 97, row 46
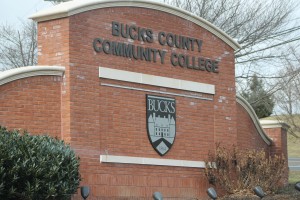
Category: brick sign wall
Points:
column 100, row 104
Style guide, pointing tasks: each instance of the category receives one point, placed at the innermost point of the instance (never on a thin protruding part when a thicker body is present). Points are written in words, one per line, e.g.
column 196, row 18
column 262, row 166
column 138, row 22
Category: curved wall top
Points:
column 30, row 71
column 78, row 6
column 240, row 100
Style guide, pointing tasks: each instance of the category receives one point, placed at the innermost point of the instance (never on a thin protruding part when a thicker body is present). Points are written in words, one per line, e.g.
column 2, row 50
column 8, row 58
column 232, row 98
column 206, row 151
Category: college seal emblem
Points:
column 161, row 122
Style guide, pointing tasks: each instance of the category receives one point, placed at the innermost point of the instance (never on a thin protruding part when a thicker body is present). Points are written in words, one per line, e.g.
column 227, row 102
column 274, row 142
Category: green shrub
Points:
column 239, row 171
column 36, row 167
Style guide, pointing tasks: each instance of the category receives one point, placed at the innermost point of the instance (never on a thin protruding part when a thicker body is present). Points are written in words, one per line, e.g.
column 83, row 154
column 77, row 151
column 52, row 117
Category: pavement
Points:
column 294, row 164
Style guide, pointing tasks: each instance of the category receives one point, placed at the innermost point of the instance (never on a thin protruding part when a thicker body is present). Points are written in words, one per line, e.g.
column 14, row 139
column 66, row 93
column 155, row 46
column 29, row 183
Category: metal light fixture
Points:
column 297, row 186
column 85, row 191
column 212, row 193
column 259, row 191
column 157, row 196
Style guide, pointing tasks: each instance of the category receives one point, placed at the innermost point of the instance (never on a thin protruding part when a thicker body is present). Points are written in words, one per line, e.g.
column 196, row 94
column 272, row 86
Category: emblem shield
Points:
column 161, row 122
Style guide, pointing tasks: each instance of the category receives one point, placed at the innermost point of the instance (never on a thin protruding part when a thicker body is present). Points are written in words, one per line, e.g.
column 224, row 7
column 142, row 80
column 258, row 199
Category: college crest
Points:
column 161, row 122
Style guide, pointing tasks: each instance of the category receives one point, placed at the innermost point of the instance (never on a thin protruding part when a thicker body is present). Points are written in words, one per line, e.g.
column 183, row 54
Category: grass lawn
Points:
column 293, row 147
column 294, row 152
column 294, row 176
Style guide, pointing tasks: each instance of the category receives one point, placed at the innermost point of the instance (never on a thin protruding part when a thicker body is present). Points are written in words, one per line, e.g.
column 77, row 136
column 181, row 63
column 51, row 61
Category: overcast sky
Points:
column 13, row 12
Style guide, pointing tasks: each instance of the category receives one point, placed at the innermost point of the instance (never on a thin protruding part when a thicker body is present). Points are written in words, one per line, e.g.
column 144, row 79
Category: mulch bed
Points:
column 269, row 197
column 288, row 193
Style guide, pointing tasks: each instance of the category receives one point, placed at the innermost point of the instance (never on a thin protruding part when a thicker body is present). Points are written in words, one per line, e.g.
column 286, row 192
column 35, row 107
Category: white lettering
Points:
column 161, row 106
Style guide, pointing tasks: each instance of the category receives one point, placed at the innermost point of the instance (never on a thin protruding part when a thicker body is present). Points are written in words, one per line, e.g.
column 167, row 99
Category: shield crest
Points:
column 161, row 122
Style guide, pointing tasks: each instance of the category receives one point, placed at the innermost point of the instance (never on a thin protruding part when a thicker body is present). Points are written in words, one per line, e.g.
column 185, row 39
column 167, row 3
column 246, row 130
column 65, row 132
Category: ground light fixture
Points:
column 212, row 193
column 157, row 196
column 85, row 191
column 259, row 192
column 297, row 186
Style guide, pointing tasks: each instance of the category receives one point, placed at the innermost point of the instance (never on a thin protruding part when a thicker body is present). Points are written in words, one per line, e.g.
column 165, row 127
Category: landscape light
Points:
column 297, row 186
column 259, row 192
column 85, row 191
column 157, row 196
column 212, row 193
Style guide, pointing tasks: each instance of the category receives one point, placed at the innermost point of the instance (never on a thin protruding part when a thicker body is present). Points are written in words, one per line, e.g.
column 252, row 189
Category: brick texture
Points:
column 279, row 146
column 249, row 138
column 32, row 104
column 247, row 135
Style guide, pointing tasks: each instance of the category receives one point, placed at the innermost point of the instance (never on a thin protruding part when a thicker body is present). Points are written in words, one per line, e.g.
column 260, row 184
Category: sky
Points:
column 13, row 12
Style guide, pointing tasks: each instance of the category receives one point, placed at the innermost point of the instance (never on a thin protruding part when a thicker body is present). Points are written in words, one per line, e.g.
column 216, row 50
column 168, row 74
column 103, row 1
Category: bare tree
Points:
column 262, row 28
column 55, row 2
column 288, row 97
column 18, row 47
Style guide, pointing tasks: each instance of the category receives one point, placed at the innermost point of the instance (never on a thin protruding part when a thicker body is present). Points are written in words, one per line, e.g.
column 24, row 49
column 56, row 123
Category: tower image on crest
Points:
column 161, row 127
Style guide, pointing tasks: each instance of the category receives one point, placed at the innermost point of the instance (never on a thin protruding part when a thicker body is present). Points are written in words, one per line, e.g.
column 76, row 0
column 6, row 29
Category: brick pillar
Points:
column 277, row 131
column 54, row 50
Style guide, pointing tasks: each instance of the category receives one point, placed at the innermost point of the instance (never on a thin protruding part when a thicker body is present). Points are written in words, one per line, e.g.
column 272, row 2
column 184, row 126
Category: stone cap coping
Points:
column 24, row 72
column 240, row 100
column 70, row 8
column 266, row 123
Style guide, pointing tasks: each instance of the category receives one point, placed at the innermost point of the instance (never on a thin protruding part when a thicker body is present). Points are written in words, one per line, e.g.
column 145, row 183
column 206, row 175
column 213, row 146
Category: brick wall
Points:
column 247, row 134
column 279, row 137
column 32, row 104
column 249, row 137
column 116, row 117
column 278, row 134
column 102, row 120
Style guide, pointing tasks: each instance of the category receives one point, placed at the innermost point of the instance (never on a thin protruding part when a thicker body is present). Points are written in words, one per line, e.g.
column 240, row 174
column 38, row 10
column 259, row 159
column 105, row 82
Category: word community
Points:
column 145, row 35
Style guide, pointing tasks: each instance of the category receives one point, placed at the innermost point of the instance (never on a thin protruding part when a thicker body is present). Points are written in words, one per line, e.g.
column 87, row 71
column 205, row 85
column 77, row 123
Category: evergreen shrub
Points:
column 36, row 167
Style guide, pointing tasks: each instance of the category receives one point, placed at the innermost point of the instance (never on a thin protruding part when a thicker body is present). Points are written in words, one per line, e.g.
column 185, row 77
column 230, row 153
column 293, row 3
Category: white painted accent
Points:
column 151, row 161
column 158, row 91
column 78, row 6
column 25, row 72
column 160, row 81
column 274, row 124
column 240, row 100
